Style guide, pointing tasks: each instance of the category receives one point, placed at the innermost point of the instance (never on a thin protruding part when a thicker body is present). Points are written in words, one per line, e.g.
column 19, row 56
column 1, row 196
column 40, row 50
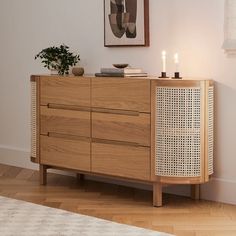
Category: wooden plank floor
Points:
column 179, row 215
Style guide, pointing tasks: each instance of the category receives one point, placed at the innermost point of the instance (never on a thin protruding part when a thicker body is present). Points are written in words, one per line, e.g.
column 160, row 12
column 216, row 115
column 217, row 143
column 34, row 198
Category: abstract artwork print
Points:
column 126, row 23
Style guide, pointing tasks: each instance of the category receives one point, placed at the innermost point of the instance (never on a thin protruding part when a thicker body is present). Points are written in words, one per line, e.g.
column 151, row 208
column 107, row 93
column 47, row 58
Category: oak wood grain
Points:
column 180, row 215
column 68, row 153
column 101, row 126
column 43, row 174
column 65, row 121
column 124, row 94
column 157, row 194
column 120, row 160
column 65, row 90
column 122, row 127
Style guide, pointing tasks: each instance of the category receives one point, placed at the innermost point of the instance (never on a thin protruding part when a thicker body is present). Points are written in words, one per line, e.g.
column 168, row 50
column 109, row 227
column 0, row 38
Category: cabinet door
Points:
column 64, row 121
column 123, row 94
column 63, row 152
column 65, row 90
column 121, row 160
column 119, row 127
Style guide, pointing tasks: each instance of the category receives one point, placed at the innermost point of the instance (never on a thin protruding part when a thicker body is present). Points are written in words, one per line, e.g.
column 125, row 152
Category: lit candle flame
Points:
column 163, row 53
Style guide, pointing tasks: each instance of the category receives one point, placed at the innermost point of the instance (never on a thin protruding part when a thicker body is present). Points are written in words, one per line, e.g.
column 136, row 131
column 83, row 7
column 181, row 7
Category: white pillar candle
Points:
column 163, row 61
column 176, row 60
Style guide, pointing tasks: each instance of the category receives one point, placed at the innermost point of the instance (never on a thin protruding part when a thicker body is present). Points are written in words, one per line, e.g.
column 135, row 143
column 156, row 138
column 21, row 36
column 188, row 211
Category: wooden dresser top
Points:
column 154, row 78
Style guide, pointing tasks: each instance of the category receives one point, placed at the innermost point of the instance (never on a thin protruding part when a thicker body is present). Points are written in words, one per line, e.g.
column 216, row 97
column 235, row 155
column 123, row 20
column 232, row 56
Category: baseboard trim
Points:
column 218, row 189
column 16, row 157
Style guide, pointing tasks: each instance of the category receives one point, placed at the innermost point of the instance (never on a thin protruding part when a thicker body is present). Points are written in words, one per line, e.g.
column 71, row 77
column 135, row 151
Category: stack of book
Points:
column 121, row 72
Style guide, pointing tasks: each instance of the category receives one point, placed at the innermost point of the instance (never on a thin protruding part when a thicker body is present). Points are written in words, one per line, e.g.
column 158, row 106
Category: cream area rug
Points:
column 19, row 218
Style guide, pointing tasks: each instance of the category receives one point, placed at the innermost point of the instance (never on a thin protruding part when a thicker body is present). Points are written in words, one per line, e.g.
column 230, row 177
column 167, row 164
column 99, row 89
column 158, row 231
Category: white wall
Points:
column 192, row 28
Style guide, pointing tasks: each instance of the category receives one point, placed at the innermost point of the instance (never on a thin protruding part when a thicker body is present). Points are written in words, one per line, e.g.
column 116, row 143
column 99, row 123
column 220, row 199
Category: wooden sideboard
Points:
column 136, row 129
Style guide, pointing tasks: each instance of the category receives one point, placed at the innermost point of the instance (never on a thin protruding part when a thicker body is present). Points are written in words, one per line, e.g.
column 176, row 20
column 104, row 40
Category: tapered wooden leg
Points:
column 80, row 177
column 157, row 194
column 43, row 174
column 195, row 191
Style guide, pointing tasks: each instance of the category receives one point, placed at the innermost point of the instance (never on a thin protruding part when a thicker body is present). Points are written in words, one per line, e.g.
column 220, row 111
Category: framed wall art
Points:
column 126, row 23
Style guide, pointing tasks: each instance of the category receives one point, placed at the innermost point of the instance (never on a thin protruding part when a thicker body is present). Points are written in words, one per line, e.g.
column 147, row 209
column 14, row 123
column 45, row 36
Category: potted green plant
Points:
column 58, row 59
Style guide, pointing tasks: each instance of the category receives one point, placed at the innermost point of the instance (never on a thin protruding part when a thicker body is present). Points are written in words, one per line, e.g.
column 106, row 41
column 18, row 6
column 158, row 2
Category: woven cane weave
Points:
column 210, row 129
column 33, row 119
column 178, row 132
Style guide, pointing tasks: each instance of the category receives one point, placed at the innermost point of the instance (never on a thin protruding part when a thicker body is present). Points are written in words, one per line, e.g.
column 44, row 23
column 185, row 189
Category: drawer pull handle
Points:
column 114, row 142
column 68, row 107
column 68, row 136
column 114, row 111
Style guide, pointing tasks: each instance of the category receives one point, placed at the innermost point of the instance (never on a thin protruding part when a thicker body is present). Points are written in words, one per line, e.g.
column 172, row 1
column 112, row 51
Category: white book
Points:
column 119, row 71
column 136, row 74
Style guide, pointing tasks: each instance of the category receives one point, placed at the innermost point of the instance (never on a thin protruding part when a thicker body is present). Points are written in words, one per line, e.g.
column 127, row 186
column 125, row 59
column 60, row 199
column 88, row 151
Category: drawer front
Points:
column 68, row 90
column 126, row 128
column 123, row 94
column 64, row 121
column 67, row 153
column 120, row 160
